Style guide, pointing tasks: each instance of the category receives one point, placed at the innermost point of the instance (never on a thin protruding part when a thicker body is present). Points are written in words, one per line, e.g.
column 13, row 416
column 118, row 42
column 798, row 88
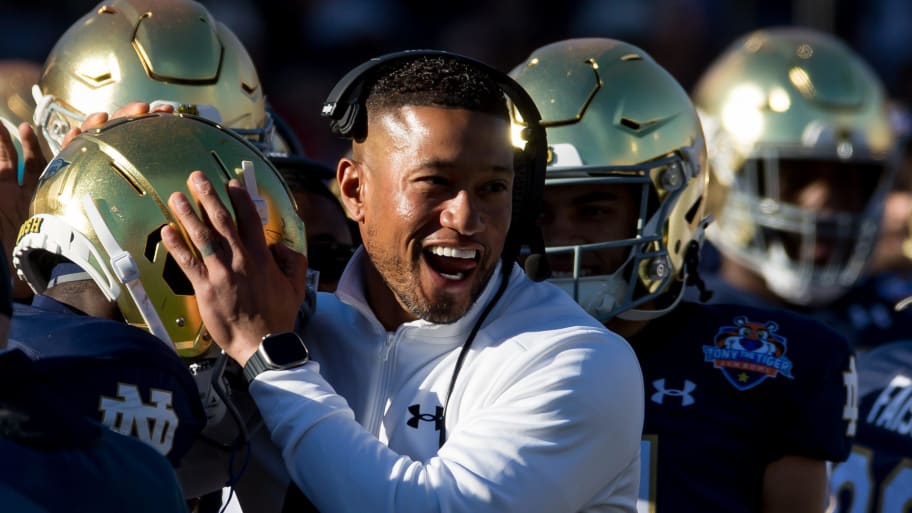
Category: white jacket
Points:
column 546, row 414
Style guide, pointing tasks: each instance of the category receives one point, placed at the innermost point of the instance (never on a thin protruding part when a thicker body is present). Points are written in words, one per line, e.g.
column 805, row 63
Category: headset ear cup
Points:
column 527, row 196
column 520, row 183
column 518, row 220
column 534, row 158
column 347, row 124
column 358, row 131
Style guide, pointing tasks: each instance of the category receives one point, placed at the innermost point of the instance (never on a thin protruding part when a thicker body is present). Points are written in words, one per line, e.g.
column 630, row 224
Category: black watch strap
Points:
column 254, row 366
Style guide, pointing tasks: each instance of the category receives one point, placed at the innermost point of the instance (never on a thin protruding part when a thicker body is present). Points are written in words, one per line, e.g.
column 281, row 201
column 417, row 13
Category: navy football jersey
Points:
column 877, row 477
column 730, row 389
column 52, row 458
column 117, row 374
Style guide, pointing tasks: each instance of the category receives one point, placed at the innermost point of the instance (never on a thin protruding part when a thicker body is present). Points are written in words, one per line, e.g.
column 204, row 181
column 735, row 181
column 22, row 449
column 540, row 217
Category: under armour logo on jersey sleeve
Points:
column 684, row 393
column 153, row 423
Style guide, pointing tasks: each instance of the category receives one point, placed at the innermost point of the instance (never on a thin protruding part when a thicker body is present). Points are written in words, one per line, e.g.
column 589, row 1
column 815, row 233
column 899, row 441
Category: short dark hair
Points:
column 436, row 81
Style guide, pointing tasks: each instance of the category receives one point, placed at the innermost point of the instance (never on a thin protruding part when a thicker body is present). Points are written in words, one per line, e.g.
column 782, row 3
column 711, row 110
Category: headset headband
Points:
column 346, row 99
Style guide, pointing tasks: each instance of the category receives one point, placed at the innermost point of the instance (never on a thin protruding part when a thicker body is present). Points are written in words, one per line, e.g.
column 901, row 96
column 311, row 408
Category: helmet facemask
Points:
column 646, row 273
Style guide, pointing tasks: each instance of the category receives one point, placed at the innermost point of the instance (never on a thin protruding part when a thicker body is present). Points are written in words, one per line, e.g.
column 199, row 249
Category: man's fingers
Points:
column 9, row 159
column 35, row 162
column 139, row 108
column 96, row 119
column 70, row 135
column 215, row 212
column 131, row 109
column 200, row 234
column 181, row 253
column 163, row 107
column 93, row 121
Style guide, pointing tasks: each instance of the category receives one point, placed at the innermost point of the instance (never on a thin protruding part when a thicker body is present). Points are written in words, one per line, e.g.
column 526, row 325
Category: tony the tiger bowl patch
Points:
column 749, row 352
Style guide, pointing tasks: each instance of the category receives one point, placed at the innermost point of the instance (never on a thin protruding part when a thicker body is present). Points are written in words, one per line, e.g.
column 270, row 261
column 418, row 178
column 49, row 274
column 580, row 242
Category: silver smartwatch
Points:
column 277, row 351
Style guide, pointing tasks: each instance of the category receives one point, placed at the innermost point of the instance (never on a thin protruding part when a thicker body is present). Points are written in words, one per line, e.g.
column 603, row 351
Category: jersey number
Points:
column 854, row 486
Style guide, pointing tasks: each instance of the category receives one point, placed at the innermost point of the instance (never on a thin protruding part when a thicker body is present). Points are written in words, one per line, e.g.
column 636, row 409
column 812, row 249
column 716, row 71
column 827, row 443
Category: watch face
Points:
column 285, row 349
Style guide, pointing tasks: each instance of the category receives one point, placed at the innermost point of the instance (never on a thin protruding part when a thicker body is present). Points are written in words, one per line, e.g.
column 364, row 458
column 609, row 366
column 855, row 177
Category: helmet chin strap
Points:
column 45, row 106
column 42, row 105
column 648, row 315
column 126, row 271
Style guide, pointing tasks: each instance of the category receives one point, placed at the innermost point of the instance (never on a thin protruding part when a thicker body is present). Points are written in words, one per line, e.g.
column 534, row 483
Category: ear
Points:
column 351, row 187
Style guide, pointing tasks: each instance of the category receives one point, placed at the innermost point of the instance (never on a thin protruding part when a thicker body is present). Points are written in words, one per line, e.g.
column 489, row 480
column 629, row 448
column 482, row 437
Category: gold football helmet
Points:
column 156, row 51
column 783, row 108
column 102, row 202
column 614, row 116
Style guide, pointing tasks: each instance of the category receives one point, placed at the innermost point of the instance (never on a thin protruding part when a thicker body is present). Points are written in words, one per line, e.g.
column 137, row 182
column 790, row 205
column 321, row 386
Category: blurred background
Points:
column 301, row 47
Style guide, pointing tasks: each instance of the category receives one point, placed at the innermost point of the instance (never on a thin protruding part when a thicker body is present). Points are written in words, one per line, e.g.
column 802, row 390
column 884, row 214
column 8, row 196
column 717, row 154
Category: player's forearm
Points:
column 795, row 484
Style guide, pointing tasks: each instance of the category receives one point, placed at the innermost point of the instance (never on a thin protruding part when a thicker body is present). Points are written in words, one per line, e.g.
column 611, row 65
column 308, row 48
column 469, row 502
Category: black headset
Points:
column 347, row 115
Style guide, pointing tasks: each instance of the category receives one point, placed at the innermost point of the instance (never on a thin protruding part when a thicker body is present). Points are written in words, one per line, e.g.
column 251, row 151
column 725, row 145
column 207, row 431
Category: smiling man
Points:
column 447, row 380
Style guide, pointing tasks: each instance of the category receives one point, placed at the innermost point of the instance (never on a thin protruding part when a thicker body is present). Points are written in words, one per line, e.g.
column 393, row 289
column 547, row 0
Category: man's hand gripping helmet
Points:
column 801, row 157
column 167, row 51
column 102, row 202
column 614, row 116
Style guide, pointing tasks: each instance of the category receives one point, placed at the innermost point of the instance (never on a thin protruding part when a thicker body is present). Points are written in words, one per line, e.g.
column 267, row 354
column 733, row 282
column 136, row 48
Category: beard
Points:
column 402, row 277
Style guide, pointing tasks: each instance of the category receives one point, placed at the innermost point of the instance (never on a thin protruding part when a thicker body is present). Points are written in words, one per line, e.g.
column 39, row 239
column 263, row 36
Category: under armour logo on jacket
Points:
column 154, row 423
column 417, row 416
column 684, row 393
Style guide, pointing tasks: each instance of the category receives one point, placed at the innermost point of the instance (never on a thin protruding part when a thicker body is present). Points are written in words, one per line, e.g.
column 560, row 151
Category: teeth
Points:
column 453, row 252
column 457, row 276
